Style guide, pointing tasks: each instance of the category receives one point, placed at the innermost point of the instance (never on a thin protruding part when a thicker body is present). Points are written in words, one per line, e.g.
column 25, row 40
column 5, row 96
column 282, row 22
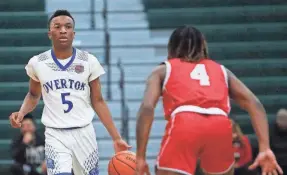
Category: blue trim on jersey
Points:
column 76, row 127
column 64, row 174
column 63, row 68
column 71, row 128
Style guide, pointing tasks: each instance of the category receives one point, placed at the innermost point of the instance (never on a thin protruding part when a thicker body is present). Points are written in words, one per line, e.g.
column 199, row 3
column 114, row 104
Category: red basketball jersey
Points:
column 200, row 87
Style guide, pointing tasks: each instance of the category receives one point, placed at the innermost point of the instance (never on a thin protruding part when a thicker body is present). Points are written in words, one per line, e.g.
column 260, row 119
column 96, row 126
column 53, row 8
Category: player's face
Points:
column 62, row 32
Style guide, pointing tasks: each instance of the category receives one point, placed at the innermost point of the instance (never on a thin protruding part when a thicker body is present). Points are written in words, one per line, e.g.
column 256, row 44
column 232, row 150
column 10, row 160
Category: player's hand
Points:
column 16, row 119
column 121, row 145
column 142, row 167
column 267, row 161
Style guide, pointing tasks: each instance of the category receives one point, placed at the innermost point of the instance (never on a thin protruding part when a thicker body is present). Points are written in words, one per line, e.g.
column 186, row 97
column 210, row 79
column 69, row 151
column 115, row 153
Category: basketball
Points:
column 123, row 163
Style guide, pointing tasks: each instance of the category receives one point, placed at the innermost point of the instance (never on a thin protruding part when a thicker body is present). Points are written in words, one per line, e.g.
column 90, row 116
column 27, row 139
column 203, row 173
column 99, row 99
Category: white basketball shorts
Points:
column 71, row 149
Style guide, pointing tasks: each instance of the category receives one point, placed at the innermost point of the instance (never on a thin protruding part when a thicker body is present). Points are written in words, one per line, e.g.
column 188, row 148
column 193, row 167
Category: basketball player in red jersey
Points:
column 196, row 92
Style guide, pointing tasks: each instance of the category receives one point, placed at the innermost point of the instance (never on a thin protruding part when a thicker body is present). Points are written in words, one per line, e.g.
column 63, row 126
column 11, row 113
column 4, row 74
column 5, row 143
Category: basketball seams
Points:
column 124, row 152
column 125, row 163
column 122, row 163
column 115, row 166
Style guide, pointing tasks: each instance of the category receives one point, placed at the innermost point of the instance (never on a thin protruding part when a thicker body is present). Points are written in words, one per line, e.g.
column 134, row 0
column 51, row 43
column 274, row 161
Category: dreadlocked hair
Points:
column 187, row 43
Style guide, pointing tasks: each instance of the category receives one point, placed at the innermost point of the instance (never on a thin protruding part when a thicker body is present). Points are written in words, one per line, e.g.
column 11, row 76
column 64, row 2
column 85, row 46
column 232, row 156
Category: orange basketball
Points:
column 123, row 163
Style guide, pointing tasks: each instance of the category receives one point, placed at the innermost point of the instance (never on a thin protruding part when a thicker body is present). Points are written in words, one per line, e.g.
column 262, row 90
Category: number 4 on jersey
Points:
column 199, row 73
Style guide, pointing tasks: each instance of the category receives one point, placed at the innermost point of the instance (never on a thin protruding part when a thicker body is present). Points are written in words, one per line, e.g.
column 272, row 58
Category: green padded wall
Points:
column 23, row 33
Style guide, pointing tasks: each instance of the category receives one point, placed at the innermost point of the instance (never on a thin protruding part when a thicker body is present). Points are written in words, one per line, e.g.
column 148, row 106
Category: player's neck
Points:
column 63, row 53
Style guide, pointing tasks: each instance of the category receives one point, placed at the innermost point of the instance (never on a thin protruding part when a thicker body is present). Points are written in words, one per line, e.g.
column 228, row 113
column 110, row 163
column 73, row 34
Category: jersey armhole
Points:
column 225, row 75
column 167, row 73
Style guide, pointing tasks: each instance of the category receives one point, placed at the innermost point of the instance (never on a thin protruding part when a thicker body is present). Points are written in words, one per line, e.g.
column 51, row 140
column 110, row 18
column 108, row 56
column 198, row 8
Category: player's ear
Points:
column 49, row 35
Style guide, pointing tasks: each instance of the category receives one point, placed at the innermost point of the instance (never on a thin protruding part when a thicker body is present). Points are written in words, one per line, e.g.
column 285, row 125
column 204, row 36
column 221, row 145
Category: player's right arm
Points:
column 29, row 104
column 249, row 102
column 33, row 96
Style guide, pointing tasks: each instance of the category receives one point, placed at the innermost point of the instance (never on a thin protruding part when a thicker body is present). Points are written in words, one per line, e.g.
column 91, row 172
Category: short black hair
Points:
column 60, row 13
column 187, row 43
column 29, row 116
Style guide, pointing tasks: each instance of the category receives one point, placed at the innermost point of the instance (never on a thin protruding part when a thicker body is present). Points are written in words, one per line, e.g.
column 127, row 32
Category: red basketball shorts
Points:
column 190, row 137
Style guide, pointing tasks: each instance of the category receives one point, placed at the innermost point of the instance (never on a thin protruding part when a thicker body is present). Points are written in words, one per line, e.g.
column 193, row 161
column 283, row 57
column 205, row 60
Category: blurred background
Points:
column 129, row 37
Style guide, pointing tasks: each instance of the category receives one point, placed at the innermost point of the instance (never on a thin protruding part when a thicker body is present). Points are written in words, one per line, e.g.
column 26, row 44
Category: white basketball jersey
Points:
column 65, row 87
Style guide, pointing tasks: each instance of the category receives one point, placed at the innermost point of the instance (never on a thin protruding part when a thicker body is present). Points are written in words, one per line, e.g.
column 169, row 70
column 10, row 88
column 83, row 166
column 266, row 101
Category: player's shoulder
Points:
column 215, row 65
column 40, row 57
column 82, row 55
column 86, row 56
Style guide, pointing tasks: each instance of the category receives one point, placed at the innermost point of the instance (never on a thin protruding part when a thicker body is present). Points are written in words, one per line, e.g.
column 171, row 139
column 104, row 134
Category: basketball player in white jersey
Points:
column 68, row 80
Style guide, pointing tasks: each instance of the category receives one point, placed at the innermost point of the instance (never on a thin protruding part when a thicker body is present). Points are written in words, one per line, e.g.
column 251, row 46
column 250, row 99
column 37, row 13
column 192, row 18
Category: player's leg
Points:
column 85, row 151
column 77, row 168
column 217, row 157
column 180, row 146
column 58, row 156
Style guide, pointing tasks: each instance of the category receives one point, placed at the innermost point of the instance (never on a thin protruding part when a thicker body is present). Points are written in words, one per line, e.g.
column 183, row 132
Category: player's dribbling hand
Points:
column 16, row 119
column 142, row 167
column 121, row 145
column 267, row 161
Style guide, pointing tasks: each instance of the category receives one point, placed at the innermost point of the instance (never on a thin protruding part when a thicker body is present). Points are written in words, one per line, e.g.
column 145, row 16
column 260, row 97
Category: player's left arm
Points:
column 102, row 110
column 145, row 115
column 100, row 106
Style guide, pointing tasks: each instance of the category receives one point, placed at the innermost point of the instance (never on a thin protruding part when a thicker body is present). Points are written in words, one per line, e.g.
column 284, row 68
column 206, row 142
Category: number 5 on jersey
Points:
column 66, row 102
column 199, row 73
